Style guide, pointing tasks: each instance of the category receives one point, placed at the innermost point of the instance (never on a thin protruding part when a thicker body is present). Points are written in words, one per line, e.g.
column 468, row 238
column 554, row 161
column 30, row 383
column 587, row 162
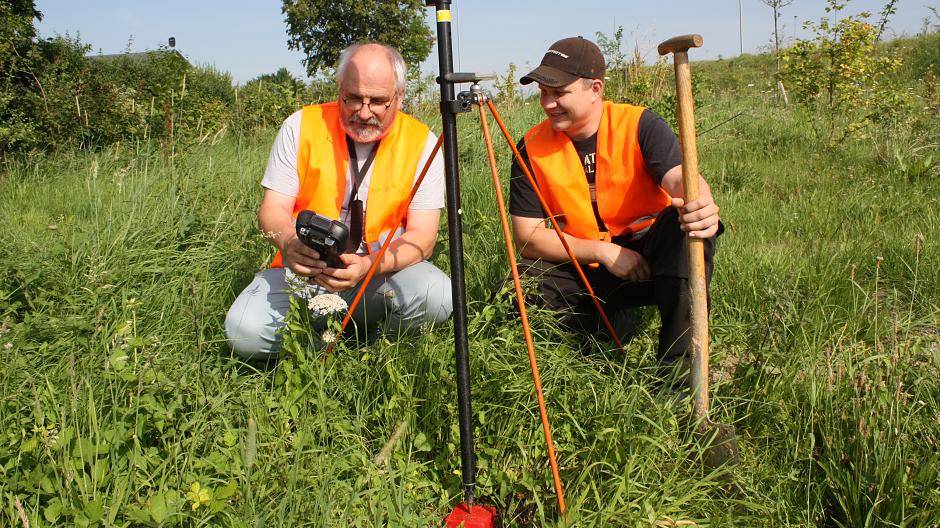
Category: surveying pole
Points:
column 455, row 236
column 466, row 513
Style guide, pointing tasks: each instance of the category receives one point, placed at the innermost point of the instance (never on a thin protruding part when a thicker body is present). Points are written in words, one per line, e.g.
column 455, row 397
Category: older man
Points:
column 612, row 173
column 355, row 160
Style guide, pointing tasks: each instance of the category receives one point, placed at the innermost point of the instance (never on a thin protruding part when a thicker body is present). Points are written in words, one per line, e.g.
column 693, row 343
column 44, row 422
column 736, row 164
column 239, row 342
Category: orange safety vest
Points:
column 322, row 159
column 628, row 198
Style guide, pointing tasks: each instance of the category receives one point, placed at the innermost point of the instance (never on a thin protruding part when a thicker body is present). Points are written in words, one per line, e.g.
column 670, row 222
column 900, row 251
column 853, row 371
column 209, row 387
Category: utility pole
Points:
column 741, row 26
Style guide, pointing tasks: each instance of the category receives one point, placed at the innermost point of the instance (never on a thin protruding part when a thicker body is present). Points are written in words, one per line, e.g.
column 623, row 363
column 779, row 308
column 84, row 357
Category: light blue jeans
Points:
column 403, row 300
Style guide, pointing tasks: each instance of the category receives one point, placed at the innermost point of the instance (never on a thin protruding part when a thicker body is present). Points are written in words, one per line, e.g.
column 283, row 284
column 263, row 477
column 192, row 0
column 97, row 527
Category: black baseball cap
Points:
column 567, row 60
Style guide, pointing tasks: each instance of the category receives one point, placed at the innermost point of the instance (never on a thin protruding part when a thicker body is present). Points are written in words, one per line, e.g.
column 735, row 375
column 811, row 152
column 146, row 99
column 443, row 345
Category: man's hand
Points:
column 277, row 223
column 624, row 263
column 301, row 259
column 337, row 280
column 698, row 218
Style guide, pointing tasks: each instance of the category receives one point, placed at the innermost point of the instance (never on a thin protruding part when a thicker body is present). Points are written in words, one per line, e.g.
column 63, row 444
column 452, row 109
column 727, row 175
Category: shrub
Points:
column 420, row 92
column 840, row 73
column 925, row 54
column 205, row 105
column 506, row 92
column 54, row 96
column 633, row 81
column 16, row 34
column 64, row 98
column 264, row 104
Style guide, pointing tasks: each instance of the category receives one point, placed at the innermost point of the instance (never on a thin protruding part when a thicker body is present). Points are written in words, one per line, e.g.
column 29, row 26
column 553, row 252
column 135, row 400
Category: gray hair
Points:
column 395, row 58
column 587, row 83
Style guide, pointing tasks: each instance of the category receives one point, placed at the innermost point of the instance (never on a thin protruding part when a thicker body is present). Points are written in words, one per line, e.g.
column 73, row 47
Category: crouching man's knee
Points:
column 252, row 323
column 422, row 294
column 251, row 338
column 439, row 303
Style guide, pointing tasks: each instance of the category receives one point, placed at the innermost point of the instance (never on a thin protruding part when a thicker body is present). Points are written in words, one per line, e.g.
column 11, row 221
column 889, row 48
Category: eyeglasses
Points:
column 376, row 107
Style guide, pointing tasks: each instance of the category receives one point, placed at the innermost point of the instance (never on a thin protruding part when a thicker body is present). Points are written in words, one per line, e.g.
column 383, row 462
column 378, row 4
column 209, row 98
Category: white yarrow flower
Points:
column 329, row 336
column 326, row 304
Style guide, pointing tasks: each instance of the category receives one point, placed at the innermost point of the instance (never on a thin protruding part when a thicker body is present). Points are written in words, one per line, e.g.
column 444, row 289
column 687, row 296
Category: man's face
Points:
column 368, row 97
column 570, row 108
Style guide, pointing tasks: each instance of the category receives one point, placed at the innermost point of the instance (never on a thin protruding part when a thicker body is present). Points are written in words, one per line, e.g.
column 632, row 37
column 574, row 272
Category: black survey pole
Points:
column 455, row 234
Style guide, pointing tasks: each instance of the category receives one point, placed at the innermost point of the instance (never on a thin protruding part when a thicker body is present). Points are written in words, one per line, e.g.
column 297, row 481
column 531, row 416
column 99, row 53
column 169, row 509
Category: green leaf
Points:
column 117, row 499
column 94, row 511
column 65, row 437
column 53, row 510
column 226, row 491
column 138, row 515
column 421, row 443
column 100, row 471
column 29, row 445
column 80, row 520
column 84, row 449
column 229, row 438
column 118, row 360
column 158, row 508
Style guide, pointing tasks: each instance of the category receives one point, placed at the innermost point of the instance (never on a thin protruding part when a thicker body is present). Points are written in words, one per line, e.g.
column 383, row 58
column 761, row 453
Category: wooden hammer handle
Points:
column 696, row 246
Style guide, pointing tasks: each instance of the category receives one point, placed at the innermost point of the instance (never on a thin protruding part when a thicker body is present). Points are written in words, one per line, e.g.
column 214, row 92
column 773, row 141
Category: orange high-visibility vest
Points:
column 628, row 198
column 322, row 159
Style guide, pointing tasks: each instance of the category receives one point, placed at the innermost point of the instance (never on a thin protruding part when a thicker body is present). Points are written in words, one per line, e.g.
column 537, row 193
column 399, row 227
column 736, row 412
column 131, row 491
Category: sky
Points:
column 248, row 37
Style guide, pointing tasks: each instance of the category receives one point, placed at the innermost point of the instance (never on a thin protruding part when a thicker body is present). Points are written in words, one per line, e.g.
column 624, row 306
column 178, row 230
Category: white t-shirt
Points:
column 281, row 172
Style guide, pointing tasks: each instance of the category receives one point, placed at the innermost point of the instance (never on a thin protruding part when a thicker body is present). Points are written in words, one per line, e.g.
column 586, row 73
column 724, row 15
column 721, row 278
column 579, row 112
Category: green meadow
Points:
column 122, row 406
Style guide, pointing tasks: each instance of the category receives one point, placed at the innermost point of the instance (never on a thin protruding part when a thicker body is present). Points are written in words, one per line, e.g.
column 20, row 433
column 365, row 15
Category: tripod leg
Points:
column 530, row 347
column 381, row 252
column 561, row 236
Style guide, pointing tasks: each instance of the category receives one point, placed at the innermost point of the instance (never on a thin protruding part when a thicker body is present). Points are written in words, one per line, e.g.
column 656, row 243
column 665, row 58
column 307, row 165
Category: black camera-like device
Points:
column 325, row 235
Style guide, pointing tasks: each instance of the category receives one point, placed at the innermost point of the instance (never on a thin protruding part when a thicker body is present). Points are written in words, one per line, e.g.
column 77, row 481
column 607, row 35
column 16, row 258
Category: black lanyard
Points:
column 356, row 213
column 359, row 173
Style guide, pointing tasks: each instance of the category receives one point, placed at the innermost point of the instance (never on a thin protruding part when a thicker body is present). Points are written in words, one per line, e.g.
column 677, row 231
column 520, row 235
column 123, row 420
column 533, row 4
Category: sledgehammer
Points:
column 722, row 443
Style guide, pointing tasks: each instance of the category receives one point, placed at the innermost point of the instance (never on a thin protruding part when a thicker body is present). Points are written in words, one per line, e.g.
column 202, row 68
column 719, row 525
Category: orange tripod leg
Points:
column 378, row 256
column 510, row 252
column 561, row 236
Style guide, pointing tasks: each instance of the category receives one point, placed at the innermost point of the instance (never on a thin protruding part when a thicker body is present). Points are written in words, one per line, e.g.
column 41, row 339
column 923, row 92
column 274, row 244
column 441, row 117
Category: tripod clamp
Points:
column 466, row 99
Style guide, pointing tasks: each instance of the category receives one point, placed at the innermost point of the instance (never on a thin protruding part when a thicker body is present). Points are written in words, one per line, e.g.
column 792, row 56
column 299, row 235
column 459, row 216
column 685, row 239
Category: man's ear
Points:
column 598, row 88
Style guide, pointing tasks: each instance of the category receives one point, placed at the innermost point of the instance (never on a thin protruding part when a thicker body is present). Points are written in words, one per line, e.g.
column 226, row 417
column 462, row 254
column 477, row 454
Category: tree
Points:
column 840, row 75
column 889, row 9
column 777, row 5
column 16, row 26
column 16, row 74
column 322, row 28
column 611, row 48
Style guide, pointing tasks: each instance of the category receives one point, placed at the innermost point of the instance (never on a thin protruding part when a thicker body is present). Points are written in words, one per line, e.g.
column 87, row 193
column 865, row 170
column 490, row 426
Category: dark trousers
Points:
column 665, row 250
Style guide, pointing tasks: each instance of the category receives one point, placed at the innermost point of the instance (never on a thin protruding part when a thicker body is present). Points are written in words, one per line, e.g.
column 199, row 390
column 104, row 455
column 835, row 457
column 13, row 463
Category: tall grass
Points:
column 121, row 405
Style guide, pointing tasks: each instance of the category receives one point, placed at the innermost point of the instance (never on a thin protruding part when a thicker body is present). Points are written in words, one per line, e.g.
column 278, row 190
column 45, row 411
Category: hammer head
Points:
column 680, row 43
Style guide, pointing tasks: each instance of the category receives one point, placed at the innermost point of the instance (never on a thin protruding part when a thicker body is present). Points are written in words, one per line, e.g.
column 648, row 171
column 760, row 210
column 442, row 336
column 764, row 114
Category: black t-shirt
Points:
column 658, row 144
